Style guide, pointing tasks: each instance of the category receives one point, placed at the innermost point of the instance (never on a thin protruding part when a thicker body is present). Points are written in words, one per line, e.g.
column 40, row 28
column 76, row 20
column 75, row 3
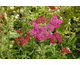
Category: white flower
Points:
column 17, row 16
column 12, row 7
column 58, row 10
column 49, row 9
column 60, row 17
column 14, row 11
column 12, row 23
column 68, row 48
column 12, row 16
column 22, row 10
column 11, row 45
column 12, row 56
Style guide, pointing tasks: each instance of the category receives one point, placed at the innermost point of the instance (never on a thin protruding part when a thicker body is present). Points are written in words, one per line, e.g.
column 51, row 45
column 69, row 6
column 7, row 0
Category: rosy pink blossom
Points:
column 49, row 35
column 27, row 33
column 52, row 7
column 16, row 40
column 3, row 13
column 54, row 17
column 57, row 36
column 0, row 31
column 22, row 40
column 64, row 50
column 51, row 27
column 38, row 20
column 56, row 25
column 42, row 32
column 0, row 16
column 19, row 31
column 27, row 37
column 33, row 21
column 60, row 21
column 52, row 41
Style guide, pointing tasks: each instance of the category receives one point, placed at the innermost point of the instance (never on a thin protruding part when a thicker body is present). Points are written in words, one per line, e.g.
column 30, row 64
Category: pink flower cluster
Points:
column 39, row 32
column 2, row 14
column 42, row 32
column 19, row 31
column 50, row 27
column 21, row 39
column 38, row 20
column 52, row 7
column 0, row 31
column 64, row 50
column 56, row 37
column 54, row 20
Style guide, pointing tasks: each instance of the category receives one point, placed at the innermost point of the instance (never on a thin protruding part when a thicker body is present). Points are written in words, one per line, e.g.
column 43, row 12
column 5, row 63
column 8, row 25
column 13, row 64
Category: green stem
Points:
column 2, row 56
column 43, row 50
column 34, row 47
column 25, row 51
column 8, row 33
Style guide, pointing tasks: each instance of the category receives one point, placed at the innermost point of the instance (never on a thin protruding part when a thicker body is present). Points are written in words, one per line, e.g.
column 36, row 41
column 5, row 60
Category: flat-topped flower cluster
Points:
column 43, row 32
column 22, row 40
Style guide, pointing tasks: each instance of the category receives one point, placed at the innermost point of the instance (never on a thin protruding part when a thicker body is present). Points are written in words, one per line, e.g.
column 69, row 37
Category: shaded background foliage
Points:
column 19, row 17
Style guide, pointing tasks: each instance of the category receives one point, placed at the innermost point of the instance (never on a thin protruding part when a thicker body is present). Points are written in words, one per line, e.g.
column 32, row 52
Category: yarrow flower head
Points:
column 42, row 32
column 64, row 50
column 0, row 16
column 55, row 38
column 3, row 13
column 0, row 30
column 27, row 33
column 60, row 21
column 56, row 25
column 54, row 20
column 16, row 40
column 54, row 17
column 19, row 31
column 38, row 20
column 52, row 7
column 52, row 41
column 39, row 32
column 51, row 27
column 49, row 35
column 33, row 21
column 27, row 36
column 22, row 40
column 39, row 37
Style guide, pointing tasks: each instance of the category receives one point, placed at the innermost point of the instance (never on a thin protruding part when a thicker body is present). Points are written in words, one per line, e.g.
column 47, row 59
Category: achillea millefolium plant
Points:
column 39, row 32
